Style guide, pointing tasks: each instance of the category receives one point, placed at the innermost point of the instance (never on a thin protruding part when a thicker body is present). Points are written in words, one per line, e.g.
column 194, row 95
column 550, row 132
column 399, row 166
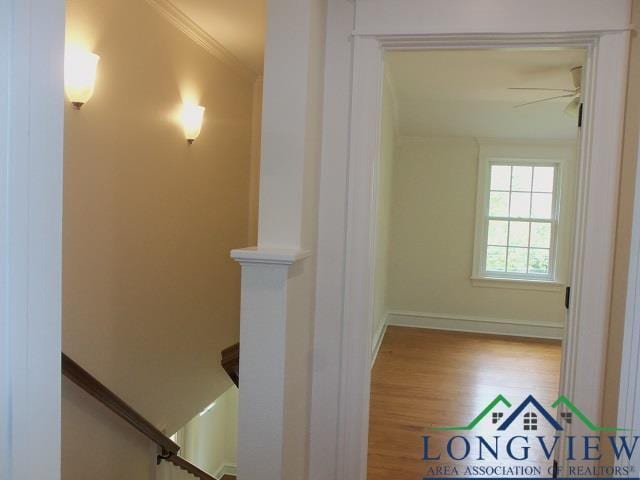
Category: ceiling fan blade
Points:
column 573, row 107
column 568, row 90
column 543, row 100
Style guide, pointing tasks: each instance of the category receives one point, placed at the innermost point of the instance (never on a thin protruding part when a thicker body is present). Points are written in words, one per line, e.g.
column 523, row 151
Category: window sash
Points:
column 552, row 221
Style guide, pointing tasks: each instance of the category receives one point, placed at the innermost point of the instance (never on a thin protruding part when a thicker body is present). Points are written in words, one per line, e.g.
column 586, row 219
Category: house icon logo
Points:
column 529, row 415
column 521, row 428
column 530, row 418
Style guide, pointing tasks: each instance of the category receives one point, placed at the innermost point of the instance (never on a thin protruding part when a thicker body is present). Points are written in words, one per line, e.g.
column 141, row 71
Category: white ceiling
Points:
column 238, row 25
column 465, row 92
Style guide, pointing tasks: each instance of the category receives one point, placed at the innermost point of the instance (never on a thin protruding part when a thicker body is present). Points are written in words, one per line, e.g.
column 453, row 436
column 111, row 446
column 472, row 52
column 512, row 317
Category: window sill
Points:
column 517, row 284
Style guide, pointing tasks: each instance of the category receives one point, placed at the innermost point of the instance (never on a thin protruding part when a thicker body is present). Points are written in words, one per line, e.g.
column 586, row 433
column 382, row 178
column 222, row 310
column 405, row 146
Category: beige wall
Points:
column 384, row 179
column 209, row 440
column 433, row 211
column 150, row 295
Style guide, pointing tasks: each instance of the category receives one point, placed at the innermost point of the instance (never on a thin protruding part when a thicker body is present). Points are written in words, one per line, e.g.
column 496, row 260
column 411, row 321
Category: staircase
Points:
column 170, row 465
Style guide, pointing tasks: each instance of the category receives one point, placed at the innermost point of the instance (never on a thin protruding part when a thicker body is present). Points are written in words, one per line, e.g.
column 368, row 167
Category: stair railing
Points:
column 168, row 448
column 231, row 362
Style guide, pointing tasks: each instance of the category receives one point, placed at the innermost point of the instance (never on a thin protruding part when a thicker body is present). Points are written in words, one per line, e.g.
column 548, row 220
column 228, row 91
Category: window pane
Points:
column 521, row 178
column 500, row 177
column 520, row 219
column 543, row 179
column 541, row 205
column 496, row 259
column 519, row 234
column 517, row 261
column 499, row 204
column 539, row 260
column 541, row 235
column 497, row 232
column 520, row 204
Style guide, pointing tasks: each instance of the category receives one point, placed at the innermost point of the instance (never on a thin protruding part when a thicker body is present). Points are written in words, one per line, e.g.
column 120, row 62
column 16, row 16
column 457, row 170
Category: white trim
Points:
column 190, row 28
column 629, row 393
column 5, row 122
column 417, row 17
column 31, row 158
column 517, row 284
column 269, row 256
column 464, row 323
column 585, row 342
column 328, row 321
column 585, row 337
column 226, row 469
column 355, row 375
column 377, row 343
column 410, row 34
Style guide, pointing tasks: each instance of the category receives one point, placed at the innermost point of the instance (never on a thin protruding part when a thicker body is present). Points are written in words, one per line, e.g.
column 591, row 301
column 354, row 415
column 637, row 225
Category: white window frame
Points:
column 545, row 153
column 554, row 220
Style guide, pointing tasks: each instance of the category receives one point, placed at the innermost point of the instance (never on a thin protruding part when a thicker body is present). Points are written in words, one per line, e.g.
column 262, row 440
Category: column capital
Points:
column 269, row 255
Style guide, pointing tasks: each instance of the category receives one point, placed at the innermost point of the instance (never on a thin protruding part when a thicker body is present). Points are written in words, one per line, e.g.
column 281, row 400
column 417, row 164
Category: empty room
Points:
column 476, row 202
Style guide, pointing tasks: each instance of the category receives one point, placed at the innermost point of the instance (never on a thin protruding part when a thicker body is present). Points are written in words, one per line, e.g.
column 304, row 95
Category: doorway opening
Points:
column 476, row 200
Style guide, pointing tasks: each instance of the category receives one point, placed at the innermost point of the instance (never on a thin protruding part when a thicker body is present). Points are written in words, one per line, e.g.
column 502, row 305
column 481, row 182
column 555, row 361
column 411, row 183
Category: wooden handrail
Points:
column 93, row 387
column 189, row 467
column 231, row 362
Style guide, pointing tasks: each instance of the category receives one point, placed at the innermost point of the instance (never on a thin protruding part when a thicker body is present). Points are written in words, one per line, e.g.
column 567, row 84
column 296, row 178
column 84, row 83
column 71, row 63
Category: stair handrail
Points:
column 230, row 362
column 100, row 392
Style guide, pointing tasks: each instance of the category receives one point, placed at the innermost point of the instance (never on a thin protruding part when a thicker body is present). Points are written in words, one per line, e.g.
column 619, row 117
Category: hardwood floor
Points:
column 429, row 378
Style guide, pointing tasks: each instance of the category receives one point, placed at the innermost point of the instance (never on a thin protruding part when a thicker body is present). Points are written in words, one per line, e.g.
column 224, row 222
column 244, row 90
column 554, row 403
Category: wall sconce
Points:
column 192, row 116
column 79, row 75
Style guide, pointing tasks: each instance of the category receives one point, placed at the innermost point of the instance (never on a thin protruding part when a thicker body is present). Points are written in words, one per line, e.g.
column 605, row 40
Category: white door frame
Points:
column 629, row 391
column 31, row 146
column 598, row 170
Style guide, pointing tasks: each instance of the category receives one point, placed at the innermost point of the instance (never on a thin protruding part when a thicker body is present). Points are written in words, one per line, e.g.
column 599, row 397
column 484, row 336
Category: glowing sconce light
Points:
column 192, row 116
column 79, row 75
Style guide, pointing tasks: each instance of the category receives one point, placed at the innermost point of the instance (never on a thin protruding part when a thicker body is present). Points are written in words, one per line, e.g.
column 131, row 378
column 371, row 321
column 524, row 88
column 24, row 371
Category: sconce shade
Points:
column 80, row 68
column 192, row 116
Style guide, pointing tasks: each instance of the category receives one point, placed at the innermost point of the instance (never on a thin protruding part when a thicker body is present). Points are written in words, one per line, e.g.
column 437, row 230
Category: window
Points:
column 520, row 220
column 524, row 214
column 530, row 421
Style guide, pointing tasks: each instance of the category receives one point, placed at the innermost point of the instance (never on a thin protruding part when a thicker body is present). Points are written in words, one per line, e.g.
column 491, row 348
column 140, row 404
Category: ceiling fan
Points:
column 575, row 93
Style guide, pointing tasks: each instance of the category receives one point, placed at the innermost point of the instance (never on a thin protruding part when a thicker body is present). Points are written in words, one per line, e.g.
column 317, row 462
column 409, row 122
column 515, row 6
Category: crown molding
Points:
column 187, row 26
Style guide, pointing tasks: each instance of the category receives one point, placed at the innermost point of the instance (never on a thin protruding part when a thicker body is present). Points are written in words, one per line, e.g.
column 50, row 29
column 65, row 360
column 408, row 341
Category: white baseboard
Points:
column 226, row 469
column 458, row 323
column 377, row 341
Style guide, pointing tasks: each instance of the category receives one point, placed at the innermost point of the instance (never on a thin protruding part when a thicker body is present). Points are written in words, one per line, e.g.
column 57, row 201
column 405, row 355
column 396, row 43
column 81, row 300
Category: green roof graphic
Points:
column 481, row 415
column 562, row 400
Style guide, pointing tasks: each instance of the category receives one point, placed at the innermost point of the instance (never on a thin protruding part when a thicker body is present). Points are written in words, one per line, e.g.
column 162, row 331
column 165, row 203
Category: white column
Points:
column 267, row 399
column 31, row 135
column 278, row 276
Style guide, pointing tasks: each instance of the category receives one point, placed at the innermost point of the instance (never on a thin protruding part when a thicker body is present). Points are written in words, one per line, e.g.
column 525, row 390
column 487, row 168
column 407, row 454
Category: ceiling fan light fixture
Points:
column 573, row 108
